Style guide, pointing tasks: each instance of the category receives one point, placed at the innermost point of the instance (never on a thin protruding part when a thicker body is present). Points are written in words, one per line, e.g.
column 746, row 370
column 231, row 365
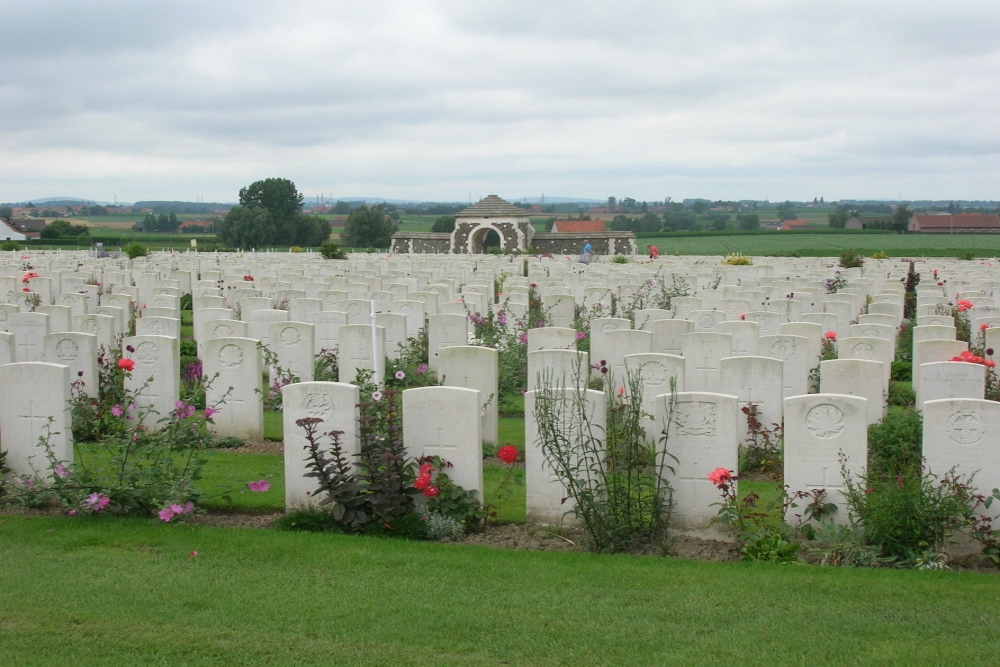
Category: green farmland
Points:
column 829, row 245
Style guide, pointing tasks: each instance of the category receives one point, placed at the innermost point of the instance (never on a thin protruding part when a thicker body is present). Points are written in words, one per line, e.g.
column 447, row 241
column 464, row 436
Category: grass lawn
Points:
column 93, row 591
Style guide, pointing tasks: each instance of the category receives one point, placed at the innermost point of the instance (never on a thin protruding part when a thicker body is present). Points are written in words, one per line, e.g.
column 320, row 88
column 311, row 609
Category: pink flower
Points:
column 97, row 501
column 580, row 335
column 377, row 396
column 60, row 471
column 209, row 412
column 720, row 476
column 400, row 375
column 193, row 554
column 261, row 485
column 166, row 514
column 421, row 368
column 117, row 411
column 743, row 317
column 71, row 512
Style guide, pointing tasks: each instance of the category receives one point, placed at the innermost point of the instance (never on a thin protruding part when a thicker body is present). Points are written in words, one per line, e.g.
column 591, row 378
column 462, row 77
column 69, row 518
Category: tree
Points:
column 901, row 218
column 368, row 228
column 748, row 220
column 270, row 213
column 679, row 220
column 623, row 223
column 245, row 227
column 61, row 229
column 786, row 212
column 445, row 224
column 6, row 213
column 650, row 223
column 839, row 218
column 612, row 202
column 700, row 206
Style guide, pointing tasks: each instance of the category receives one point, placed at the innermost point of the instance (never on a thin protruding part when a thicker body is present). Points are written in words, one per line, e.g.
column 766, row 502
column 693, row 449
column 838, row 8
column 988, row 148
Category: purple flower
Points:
column 260, row 485
column 421, row 368
column 60, row 471
column 209, row 412
column 117, row 411
column 166, row 514
column 580, row 335
column 97, row 501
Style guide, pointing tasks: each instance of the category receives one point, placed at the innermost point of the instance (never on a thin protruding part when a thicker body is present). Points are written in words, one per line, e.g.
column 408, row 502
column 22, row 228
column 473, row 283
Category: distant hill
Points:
column 179, row 206
column 62, row 201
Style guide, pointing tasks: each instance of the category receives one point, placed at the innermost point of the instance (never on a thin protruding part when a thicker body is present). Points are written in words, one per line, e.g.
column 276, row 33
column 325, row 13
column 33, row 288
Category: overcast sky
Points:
column 458, row 99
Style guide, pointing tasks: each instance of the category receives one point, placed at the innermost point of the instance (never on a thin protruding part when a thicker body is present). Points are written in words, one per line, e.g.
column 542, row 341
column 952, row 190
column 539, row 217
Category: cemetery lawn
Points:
column 117, row 591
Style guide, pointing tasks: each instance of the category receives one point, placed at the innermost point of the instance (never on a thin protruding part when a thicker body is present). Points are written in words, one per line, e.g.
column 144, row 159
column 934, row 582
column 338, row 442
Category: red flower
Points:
column 720, row 476
column 743, row 317
column 507, row 454
column 984, row 326
column 431, row 491
column 126, row 364
column 422, row 482
column 989, row 363
column 830, row 335
column 426, row 469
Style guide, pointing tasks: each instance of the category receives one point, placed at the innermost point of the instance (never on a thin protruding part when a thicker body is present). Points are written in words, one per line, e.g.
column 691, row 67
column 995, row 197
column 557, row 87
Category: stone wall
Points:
column 604, row 243
column 426, row 243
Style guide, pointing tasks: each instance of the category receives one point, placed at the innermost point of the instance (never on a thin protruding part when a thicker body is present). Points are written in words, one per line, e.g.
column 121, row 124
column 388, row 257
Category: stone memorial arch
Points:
column 512, row 224
column 474, row 224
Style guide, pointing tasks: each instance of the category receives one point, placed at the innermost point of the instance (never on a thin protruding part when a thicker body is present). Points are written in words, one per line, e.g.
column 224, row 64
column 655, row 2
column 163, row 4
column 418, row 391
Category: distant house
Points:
column 960, row 223
column 29, row 224
column 578, row 226
column 8, row 233
column 791, row 225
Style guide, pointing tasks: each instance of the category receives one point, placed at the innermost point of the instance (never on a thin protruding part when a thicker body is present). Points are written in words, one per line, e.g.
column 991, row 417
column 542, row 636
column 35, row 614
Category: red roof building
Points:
column 579, row 226
column 960, row 223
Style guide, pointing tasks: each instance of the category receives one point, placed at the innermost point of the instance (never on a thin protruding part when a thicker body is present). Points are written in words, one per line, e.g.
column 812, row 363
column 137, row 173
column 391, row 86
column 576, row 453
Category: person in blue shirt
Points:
column 587, row 252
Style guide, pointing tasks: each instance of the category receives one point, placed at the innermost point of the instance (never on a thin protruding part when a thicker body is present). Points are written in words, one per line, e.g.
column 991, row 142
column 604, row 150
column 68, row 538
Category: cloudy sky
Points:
column 457, row 99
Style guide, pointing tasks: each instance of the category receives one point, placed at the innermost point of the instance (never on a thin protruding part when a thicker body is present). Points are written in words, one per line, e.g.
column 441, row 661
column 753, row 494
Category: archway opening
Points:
column 484, row 239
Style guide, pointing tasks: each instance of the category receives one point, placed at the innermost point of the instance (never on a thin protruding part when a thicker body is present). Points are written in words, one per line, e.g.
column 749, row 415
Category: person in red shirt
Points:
column 654, row 252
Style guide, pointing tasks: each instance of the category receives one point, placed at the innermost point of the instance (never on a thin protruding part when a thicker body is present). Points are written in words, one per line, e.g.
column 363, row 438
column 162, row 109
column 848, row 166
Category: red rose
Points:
column 126, row 364
column 831, row 335
column 720, row 476
column 507, row 454
column 431, row 491
column 422, row 482
column 426, row 469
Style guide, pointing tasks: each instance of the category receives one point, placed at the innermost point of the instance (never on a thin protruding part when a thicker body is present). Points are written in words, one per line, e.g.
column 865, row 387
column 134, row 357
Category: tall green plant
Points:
column 615, row 475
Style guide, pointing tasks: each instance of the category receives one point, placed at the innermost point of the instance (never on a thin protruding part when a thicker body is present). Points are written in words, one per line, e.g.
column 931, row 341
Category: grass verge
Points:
column 96, row 591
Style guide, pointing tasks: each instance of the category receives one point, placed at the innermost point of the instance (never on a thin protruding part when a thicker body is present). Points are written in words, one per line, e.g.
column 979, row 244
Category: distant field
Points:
column 831, row 245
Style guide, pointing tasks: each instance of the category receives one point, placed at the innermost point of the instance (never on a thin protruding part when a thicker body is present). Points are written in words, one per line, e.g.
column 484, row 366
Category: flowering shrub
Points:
column 762, row 533
column 736, row 259
column 910, row 517
column 446, row 498
column 761, row 451
column 132, row 470
column 833, row 285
